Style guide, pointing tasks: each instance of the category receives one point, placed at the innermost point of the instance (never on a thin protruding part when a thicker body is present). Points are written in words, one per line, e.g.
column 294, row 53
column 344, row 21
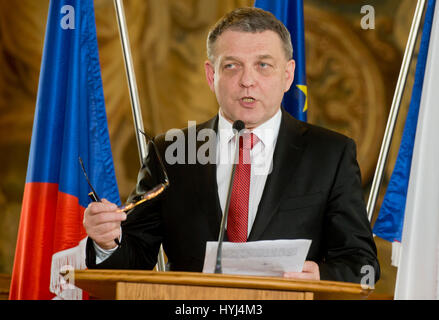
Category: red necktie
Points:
column 237, row 220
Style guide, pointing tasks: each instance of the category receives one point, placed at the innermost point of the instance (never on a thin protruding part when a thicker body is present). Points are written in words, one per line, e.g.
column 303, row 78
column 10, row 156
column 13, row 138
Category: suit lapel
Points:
column 206, row 184
column 287, row 153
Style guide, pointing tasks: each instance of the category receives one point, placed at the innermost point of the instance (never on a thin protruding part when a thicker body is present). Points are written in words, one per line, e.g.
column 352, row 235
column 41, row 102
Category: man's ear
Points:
column 289, row 74
column 209, row 69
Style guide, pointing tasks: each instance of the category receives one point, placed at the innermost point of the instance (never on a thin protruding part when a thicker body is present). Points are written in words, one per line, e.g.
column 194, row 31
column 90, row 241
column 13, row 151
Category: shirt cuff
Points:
column 103, row 254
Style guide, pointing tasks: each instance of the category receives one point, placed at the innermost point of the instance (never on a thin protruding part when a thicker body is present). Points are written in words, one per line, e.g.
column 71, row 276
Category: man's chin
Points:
column 250, row 118
column 251, row 123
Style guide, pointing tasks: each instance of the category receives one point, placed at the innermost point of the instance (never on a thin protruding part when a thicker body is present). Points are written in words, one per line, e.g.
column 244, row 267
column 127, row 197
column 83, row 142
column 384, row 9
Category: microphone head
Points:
column 238, row 125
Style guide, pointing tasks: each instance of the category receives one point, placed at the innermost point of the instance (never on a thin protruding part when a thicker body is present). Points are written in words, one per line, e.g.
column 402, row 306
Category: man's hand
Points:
column 102, row 223
column 310, row 271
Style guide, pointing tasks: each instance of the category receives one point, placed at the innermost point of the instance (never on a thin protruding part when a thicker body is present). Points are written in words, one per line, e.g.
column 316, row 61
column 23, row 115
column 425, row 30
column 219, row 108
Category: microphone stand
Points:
column 238, row 125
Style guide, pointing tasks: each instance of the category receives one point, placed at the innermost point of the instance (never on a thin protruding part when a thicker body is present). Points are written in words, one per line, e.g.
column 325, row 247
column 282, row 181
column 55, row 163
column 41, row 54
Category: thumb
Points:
column 111, row 205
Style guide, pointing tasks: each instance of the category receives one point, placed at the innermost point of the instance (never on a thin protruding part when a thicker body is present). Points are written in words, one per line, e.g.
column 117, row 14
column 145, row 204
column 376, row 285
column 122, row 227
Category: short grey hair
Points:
column 252, row 20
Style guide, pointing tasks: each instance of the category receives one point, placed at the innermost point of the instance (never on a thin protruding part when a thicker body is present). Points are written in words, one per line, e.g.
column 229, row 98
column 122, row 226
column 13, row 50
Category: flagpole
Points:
column 134, row 97
column 394, row 110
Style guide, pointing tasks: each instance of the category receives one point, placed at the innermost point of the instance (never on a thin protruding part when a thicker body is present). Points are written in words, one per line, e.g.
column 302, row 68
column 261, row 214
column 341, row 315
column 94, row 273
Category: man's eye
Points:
column 229, row 66
column 264, row 65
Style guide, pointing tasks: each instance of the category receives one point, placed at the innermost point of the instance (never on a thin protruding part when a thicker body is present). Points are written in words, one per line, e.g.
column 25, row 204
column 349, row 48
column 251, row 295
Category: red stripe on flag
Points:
column 69, row 228
column 50, row 221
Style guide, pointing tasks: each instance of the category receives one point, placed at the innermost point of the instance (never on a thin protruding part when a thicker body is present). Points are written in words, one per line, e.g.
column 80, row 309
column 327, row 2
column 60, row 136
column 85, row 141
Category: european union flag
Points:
column 290, row 12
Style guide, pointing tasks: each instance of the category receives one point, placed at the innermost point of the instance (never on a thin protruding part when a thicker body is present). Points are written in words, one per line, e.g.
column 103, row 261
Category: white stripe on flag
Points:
column 418, row 270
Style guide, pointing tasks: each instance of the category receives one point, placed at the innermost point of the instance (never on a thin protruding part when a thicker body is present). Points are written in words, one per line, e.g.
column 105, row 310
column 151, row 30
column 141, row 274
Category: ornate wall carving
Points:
column 345, row 83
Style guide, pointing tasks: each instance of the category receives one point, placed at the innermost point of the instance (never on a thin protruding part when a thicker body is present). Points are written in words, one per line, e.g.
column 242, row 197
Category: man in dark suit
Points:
column 311, row 191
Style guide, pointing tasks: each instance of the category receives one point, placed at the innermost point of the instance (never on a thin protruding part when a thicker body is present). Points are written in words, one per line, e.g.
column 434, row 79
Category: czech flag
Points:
column 390, row 221
column 70, row 122
column 409, row 214
column 290, row 12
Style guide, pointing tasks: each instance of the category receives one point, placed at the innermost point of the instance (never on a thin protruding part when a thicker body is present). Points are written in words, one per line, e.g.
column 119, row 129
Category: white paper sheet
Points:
column 259, row 258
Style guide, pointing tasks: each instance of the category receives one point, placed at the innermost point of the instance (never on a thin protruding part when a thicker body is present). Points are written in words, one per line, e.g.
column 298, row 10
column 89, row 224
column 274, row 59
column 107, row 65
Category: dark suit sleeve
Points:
column 141, row 231
column 350, row 250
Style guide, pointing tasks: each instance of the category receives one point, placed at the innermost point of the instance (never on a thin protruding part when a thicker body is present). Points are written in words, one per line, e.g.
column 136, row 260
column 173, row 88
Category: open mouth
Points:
column 248, row 100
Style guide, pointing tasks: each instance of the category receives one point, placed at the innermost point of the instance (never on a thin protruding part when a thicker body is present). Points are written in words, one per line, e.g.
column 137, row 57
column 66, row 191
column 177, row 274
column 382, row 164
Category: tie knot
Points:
column 249, row 140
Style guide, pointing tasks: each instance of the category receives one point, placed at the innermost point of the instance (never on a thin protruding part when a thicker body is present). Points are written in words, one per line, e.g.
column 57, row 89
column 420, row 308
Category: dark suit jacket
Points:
column 313, row 192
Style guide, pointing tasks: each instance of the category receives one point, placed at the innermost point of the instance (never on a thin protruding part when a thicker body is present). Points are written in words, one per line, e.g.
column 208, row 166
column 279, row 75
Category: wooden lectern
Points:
column 153, row 285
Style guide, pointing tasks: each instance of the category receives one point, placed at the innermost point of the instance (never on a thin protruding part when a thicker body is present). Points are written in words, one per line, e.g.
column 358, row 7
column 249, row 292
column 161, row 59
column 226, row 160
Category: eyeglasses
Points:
column 140, row 198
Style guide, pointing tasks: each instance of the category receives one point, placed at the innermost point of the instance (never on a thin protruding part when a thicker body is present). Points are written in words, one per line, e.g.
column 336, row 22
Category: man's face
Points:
column 249, row 76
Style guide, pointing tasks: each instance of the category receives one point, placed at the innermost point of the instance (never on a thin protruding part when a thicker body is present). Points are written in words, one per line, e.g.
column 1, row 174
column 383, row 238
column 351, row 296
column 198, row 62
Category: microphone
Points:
column 238, row 125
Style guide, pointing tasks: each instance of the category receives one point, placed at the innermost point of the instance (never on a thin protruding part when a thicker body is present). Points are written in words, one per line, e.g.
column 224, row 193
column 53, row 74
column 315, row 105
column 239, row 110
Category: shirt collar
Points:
column 266, row 132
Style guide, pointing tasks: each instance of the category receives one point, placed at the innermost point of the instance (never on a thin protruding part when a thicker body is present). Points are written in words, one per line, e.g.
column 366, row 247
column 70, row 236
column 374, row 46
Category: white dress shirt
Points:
column 261, row 157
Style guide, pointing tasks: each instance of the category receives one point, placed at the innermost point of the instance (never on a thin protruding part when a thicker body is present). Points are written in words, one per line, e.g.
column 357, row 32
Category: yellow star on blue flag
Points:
column 304, row 89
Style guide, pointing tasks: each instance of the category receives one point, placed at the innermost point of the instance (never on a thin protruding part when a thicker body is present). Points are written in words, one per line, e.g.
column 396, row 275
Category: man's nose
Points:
column 247, row 78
